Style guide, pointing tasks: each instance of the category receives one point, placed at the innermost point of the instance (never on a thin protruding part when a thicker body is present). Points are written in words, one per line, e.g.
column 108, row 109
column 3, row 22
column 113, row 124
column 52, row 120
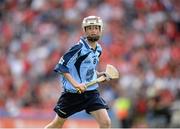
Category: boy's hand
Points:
column 80, row 88
column 106, row 75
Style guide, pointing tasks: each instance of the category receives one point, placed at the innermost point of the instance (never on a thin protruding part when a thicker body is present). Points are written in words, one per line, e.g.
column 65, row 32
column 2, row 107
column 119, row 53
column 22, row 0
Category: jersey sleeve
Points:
column 63, row 64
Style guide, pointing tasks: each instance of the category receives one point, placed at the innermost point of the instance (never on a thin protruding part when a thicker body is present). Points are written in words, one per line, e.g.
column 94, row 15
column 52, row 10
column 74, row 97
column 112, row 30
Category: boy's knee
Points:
column 53, row 125
column 56, row 123
column 105, row 123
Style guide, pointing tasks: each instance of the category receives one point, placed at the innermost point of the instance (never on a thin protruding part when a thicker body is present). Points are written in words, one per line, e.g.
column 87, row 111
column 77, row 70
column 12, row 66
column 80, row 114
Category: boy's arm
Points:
column 78, row 86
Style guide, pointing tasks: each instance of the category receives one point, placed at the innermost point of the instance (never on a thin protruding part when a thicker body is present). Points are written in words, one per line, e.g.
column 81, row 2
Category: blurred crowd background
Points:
column 141, row 38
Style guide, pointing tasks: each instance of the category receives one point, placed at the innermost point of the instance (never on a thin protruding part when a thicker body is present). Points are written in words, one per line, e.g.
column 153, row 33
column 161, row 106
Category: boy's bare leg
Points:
column 57, row 122
column 102, row 118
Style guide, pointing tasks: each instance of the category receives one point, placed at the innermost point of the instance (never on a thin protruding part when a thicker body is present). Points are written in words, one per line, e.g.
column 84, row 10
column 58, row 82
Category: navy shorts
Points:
column 70, row 103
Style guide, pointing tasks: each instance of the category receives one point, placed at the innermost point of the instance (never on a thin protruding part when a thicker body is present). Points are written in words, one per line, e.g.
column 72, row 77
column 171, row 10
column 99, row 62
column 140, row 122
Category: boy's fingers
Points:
column 78, row 90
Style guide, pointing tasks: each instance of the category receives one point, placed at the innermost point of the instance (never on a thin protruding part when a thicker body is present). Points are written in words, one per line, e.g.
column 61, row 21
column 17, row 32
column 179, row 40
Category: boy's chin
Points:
column 93, row 38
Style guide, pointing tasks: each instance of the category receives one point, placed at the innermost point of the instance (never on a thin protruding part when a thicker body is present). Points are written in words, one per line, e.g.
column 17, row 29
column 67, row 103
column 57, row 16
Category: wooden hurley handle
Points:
column 100, row 79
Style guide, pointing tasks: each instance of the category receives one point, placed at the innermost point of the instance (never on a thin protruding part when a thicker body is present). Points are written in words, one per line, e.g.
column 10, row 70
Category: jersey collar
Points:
column 85, row 42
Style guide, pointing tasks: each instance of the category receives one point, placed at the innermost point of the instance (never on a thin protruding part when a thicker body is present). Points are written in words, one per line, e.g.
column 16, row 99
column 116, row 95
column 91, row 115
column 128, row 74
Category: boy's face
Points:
column 93, row 33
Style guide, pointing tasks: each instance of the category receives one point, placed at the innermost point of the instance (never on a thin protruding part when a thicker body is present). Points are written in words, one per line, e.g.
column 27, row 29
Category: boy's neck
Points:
column 92, row 44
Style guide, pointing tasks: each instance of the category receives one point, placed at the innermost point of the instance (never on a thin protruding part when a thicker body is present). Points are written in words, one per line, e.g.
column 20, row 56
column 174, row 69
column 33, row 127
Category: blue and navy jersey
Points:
column 80, row 61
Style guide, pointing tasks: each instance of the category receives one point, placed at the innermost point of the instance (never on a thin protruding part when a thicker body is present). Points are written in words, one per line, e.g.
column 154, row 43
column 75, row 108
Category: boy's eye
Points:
column 92, row 27
column 96, row 27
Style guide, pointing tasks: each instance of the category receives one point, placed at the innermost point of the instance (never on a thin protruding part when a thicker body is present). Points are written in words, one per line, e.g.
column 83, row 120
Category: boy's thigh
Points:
column 95, row 103
column 68, row 104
